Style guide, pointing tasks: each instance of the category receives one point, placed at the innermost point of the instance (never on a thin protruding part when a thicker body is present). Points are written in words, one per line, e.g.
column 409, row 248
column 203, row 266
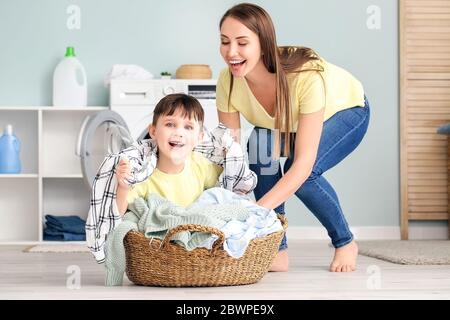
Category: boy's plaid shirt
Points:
column 104, row 216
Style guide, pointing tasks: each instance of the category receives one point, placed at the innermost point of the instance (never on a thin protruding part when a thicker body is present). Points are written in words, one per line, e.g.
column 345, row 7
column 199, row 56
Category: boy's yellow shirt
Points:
column 181, row 188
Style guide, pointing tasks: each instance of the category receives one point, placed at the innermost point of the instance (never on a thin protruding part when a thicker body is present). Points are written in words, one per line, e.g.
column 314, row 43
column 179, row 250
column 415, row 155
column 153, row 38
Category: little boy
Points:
column 181, row 175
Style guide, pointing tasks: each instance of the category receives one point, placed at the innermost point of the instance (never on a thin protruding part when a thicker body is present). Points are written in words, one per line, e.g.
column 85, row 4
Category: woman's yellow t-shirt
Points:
column 342, row 91
column 181, row 188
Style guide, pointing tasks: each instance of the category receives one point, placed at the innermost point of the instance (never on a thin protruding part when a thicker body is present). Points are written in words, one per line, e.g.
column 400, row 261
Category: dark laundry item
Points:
column 53, row 235
column 69, row 224
column 64, row 228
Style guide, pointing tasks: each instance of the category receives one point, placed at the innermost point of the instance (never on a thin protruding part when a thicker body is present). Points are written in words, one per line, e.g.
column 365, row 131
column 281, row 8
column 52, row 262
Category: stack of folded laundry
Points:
column 64, row 228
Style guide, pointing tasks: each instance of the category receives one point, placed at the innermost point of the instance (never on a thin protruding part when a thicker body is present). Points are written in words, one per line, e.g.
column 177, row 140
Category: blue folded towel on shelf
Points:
column 71, row 224
column 64, row 228
column 52, row 235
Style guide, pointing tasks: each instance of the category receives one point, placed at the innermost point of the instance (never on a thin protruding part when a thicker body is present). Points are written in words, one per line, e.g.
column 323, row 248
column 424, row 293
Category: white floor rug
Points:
column 70, row 247
column 407, row 251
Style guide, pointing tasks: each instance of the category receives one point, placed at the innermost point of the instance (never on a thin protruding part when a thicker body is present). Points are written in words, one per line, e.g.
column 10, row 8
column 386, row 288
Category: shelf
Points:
column 50, row 181
column 63, row 176
column 60, row 130
column 83, row 109
column 19, row 108
column 19, row 203
column 19, row 243
column 63, row 197
column 25, row 127
column 56, row 243
column 50, row 108
column 46, row 242
column 18, row 175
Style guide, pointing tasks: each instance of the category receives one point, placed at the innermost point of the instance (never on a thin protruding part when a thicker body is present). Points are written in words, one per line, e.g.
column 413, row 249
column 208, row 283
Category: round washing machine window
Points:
column 101, row 134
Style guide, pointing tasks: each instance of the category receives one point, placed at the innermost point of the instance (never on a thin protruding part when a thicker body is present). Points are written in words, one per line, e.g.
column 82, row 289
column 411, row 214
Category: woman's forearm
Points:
column 286, row 186
column 309, row 131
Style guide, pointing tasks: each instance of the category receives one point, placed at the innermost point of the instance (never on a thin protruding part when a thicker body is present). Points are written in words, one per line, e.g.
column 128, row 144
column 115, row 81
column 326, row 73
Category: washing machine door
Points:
column 101, row 134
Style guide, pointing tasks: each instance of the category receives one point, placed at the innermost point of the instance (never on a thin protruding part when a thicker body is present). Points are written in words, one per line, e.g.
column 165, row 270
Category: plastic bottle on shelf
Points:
column 70, row 82
column 9, row 152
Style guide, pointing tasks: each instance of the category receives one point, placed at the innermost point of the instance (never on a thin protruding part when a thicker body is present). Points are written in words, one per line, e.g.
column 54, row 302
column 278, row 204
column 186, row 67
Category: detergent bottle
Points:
column 9, row 152
column 69, row 82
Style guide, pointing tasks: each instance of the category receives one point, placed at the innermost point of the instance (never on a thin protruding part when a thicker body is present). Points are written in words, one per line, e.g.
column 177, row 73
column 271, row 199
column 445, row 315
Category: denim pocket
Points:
column 353, row 117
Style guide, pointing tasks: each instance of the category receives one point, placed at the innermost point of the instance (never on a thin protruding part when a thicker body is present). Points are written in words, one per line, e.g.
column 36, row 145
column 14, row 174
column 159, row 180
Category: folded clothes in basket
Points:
column 217, row 207
column 238, row 232
column 64, row 228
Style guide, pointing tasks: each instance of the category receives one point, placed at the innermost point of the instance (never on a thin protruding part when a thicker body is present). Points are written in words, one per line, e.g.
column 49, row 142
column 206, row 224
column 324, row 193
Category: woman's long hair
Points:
column 278, row 60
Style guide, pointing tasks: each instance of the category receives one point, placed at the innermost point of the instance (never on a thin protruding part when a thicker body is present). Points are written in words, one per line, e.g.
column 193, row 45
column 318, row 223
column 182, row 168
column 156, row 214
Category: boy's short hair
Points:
column 190, row 106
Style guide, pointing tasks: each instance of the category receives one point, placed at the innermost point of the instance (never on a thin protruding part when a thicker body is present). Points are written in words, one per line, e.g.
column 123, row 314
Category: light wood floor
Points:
column 44, row 276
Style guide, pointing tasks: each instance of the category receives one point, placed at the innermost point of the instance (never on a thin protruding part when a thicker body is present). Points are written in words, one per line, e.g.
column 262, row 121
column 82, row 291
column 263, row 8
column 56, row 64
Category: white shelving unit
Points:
column 51, row 181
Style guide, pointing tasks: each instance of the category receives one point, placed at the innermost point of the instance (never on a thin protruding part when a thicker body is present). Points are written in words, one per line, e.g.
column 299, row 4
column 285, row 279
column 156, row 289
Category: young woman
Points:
column 291, row 90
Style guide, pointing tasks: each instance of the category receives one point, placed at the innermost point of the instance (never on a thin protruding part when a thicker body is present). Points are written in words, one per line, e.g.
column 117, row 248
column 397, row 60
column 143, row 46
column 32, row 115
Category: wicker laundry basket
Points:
column 163, row 263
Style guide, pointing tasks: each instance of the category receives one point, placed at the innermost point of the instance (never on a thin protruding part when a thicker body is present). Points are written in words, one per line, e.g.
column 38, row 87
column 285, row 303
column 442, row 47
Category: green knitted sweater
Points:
column 154, row 218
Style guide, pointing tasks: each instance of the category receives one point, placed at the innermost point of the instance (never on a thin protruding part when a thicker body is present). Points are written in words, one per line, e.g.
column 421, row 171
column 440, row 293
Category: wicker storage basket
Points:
column 162, row 263
column 194, row 71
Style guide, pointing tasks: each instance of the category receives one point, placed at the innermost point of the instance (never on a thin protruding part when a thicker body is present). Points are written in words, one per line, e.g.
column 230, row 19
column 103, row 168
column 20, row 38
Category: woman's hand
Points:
column 123, row 172
column 259, row 203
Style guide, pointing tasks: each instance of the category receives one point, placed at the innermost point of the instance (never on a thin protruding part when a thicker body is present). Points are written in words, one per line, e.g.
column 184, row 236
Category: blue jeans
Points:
column 341, row 134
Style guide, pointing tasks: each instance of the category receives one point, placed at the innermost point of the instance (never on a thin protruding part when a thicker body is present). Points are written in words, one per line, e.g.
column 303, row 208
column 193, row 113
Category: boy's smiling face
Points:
column 176, row 136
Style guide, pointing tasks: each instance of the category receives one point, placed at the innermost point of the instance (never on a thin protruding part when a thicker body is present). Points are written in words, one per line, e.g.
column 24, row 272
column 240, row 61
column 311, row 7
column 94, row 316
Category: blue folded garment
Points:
column 55, row 235
column 66, row 224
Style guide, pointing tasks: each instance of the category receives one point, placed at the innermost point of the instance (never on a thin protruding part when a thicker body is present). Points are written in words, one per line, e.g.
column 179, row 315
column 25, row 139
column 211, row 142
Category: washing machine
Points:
column 131, row 111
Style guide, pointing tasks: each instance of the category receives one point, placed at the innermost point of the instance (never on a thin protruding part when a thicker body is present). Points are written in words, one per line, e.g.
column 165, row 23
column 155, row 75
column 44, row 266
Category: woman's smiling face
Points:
column 240, row 47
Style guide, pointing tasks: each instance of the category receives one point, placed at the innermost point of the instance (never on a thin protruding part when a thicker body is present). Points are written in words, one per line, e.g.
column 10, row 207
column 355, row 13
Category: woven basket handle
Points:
column 283, row 220
column 195, row 227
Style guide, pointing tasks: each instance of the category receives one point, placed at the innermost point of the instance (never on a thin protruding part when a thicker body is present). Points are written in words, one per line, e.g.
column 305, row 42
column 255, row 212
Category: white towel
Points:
column 238, row 234
column 127, row 72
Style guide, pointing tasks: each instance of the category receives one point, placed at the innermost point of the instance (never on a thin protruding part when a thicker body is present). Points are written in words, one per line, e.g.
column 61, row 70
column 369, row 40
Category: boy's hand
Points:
column 123, row 172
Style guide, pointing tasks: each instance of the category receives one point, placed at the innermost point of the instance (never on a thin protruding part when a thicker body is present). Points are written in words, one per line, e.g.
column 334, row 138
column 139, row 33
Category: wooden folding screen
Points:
column 424, row 35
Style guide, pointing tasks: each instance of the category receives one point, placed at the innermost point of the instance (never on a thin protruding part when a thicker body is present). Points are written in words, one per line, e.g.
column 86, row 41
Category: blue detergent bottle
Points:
column 9, row 152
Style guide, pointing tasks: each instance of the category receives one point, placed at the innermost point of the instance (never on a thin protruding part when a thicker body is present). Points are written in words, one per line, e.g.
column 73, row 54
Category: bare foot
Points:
column 345, row 258
column 281, row 262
